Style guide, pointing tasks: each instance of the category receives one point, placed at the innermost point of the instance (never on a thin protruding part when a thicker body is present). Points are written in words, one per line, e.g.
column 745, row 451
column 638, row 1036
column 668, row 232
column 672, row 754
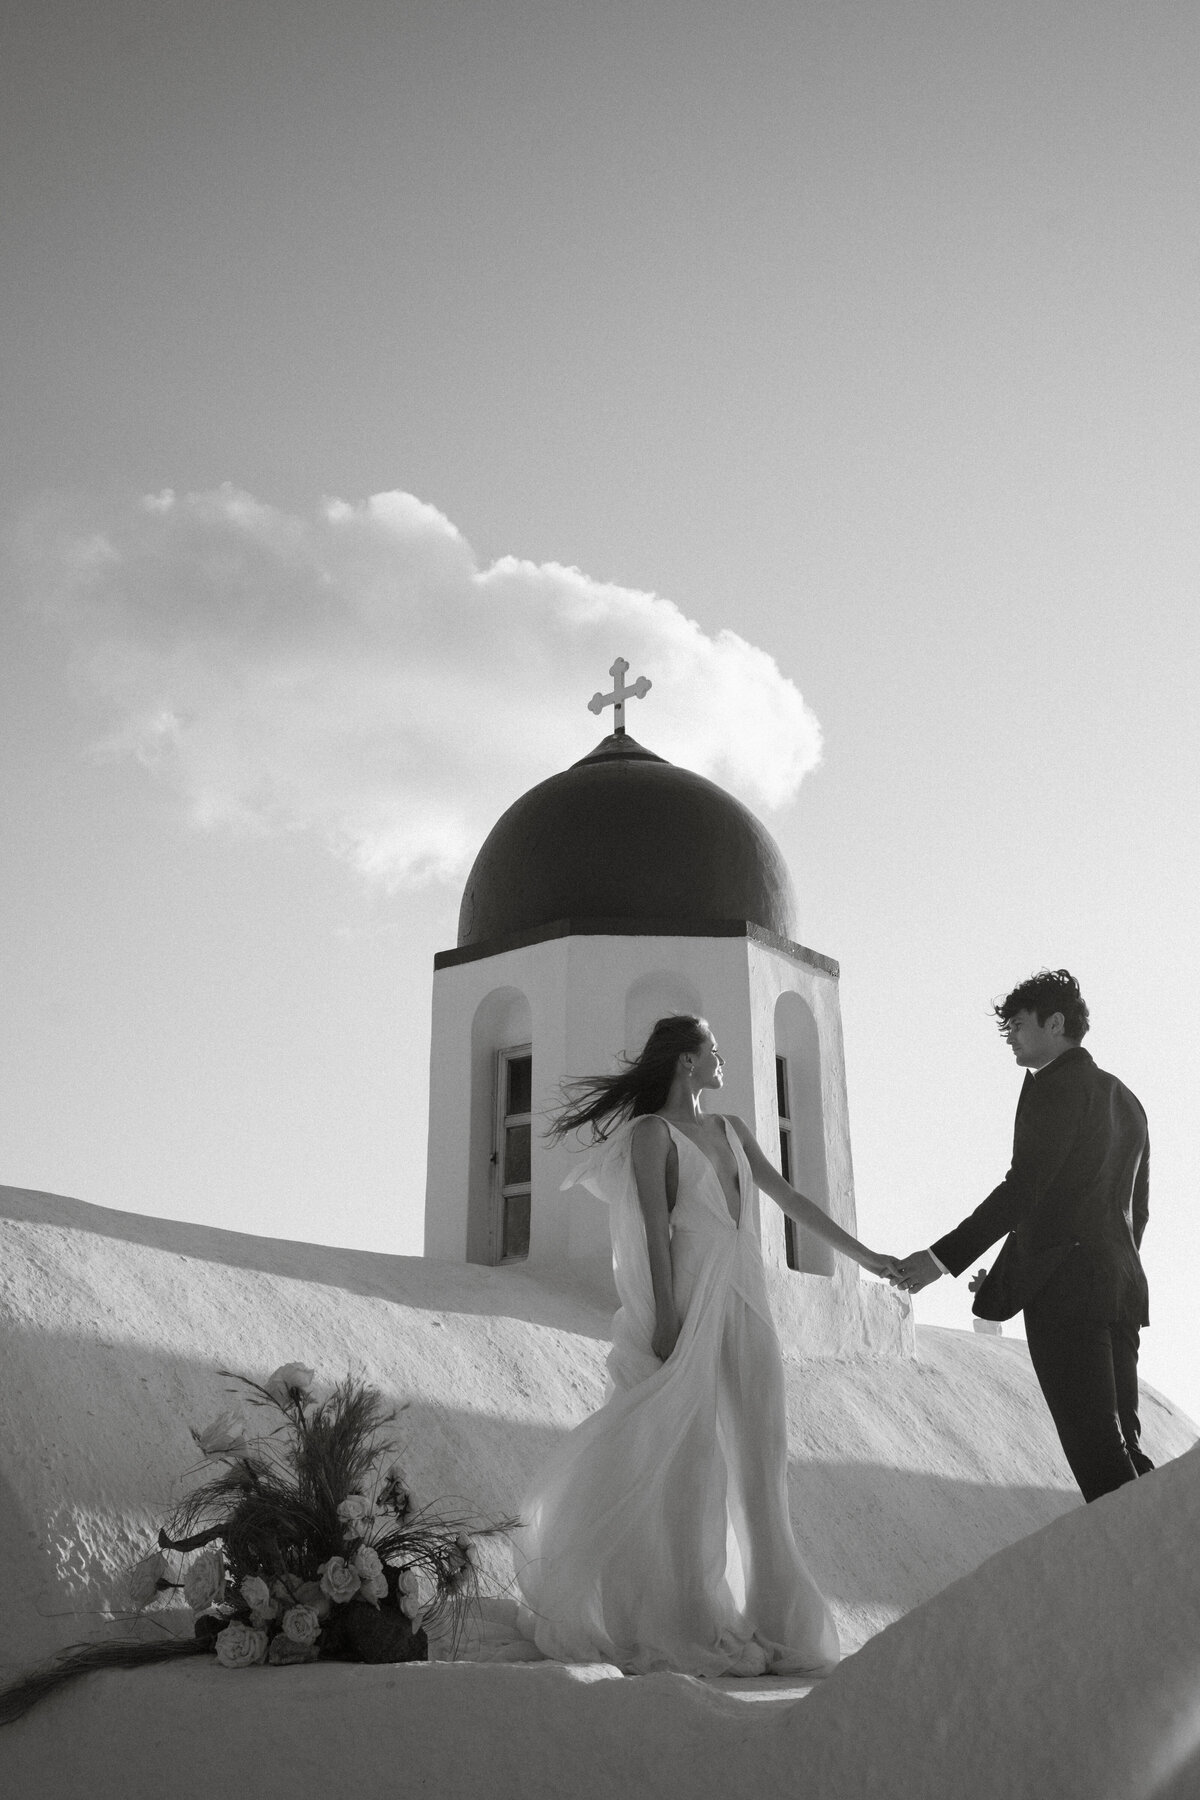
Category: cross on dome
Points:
column 640, row 688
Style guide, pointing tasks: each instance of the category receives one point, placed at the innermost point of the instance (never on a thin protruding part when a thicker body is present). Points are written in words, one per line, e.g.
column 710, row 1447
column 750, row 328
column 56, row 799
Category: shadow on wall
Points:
column 573, row 1303
column 878, row 1540
column 98, row 1452
column 41, row 1611
column 141, row 1405
column 883, row 1540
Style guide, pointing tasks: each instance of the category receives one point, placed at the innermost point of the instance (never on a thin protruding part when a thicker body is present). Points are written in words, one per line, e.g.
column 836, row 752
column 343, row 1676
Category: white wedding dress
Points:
column 657, row 1535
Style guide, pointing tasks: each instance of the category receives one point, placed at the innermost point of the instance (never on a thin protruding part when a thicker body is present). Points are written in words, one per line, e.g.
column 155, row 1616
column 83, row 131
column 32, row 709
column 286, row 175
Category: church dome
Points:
column 624, row 840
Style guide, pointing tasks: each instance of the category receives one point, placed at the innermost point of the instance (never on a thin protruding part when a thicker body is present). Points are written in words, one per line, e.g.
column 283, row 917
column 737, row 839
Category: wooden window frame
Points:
column 503, row 1192
column 787, row 1161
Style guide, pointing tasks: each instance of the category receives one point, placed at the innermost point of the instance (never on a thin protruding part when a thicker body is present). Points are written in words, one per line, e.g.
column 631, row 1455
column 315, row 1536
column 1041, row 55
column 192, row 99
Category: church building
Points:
column 623, row 889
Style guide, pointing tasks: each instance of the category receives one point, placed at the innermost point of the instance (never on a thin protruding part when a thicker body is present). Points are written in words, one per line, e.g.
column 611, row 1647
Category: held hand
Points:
column 666, row 1335
column 886, row 1267
column 916, row 1272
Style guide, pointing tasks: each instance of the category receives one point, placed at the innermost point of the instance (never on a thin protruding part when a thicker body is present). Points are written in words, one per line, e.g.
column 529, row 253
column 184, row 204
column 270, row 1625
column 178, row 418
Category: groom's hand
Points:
column 917, row 1271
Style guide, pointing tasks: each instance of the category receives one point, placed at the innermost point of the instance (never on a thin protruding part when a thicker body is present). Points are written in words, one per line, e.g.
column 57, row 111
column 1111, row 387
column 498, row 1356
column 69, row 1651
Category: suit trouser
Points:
column 1087, row 1371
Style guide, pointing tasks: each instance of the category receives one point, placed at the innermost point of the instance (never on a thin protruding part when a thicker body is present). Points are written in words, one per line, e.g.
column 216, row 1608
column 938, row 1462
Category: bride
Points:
column 657, row 1535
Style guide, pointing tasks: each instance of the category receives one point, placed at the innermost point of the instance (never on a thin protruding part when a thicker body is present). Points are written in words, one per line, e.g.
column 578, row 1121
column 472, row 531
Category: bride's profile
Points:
column 657, row 1534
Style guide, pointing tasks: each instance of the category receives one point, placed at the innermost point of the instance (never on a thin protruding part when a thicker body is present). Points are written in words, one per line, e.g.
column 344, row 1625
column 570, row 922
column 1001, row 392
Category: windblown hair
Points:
column 1049, row 991
column 640, row 1087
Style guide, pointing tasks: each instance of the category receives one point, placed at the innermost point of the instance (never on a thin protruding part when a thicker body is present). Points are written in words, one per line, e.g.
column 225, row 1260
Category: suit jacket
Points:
column 1074, row 1202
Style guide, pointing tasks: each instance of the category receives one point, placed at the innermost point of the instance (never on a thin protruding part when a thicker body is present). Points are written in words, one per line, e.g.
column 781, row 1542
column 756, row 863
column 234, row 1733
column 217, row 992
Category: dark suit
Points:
column 1075, row 1204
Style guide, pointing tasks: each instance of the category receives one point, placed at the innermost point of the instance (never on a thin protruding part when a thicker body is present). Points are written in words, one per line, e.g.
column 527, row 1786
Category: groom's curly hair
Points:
column 640, row 1087
column 1049, row 991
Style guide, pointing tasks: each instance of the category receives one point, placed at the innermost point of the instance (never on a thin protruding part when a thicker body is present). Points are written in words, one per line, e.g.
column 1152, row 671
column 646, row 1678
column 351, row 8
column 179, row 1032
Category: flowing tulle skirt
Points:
column 657, row 1535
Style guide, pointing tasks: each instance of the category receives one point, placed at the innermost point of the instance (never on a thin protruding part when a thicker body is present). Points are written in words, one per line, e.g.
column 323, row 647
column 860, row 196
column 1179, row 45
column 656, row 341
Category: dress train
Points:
column 657, row 1534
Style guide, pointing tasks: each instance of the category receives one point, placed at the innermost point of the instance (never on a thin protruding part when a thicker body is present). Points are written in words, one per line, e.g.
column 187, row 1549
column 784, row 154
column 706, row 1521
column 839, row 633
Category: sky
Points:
column 375, row 375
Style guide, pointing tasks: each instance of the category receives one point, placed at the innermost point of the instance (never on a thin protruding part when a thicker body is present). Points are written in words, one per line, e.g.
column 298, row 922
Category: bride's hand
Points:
column 666, row 1335
column 887, row 1268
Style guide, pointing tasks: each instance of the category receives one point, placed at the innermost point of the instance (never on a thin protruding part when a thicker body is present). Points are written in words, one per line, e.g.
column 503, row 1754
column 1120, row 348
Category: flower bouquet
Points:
column 300, row 1543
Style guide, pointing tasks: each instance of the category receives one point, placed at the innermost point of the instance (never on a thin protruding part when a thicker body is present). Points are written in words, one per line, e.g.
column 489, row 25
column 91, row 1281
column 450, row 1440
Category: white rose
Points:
column 257, row 1595
column 366, row 1561
column 143, row 1579
column 311, row 1593
column 355, row 1513
column 301, row 1624
column 370, row 1572
column 288, row 1377
column 255, row 1592
column 204, row 1580
column 338, row 1579
column 225, row 1436
column 458, row 1560
column 240, row 1646
column 409, row 1595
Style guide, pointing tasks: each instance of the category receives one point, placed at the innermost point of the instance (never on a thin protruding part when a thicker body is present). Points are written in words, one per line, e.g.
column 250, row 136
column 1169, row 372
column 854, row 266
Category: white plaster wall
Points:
column 448, row 1146
column 460, row 1090
column 602, row 972
column 1066, row 1669
column 771, row 974
column 115, row 1329
column 592, row 999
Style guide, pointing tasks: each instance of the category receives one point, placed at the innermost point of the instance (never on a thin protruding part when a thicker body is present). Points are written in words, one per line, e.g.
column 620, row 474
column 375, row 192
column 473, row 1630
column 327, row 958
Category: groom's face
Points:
column 1034, row 1045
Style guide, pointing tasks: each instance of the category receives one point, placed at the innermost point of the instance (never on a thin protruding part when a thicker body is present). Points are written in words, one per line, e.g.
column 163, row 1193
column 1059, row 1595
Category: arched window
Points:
column 513, row 1155
column 499, row 1222
column 801, row 1126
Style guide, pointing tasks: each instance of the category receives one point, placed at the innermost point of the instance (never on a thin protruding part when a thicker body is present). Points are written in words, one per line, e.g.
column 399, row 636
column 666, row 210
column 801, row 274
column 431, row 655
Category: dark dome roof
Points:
column 624, row 836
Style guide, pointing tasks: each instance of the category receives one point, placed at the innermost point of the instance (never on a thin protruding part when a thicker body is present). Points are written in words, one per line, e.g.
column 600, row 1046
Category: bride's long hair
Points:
column 640, row 1087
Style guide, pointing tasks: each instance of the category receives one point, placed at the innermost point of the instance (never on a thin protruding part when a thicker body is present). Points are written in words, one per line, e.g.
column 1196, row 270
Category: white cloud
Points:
column 358, row 674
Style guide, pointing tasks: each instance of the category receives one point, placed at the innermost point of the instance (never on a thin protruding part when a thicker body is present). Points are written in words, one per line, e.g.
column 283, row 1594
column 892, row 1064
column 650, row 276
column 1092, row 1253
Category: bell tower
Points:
column 620, row 890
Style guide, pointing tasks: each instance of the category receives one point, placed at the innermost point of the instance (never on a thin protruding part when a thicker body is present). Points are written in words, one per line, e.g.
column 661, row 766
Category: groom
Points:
column 1074, row 1203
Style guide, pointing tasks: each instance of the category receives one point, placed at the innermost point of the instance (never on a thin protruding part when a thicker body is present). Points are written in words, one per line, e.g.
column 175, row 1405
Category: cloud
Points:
column 358, row 674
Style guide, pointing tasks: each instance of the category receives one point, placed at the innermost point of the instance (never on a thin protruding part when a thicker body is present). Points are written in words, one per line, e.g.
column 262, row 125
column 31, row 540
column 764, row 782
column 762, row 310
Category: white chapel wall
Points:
column 657, row 994
column 629, row 982
column 589, row 1000
column 798, row 1043
column 584, row 997
column 479, row 1008
column 584, row 1002
column 800, row 998
column 503, row 1019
